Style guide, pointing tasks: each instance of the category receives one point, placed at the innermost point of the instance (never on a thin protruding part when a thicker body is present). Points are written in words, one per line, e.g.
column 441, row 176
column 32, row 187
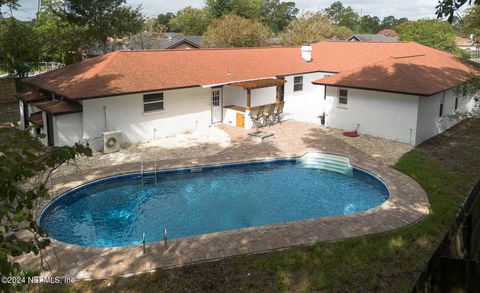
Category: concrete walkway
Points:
column 407, row 204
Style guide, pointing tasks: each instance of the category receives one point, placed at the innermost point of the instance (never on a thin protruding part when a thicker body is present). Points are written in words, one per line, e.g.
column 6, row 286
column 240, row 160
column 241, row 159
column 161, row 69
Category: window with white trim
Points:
column 298, row 83
column 153, row 102
column 343, row 97
column 442, row 102
column 216, row 98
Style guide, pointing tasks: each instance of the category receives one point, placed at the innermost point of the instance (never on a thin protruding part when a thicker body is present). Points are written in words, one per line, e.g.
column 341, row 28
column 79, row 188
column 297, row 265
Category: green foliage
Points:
column 235, row 31
column 103, row 19
column 430, row 32
column 311, row 28
column 369, row 24
column 243, row 8
column 25, row 168
column 191, row 21
column 18, row 46
column 11, row 4
column 60, row 40
column 277, row 15
column 164, row 19
column 390, row 22
column 471, row 22
column 447, row 8
column 343, row 16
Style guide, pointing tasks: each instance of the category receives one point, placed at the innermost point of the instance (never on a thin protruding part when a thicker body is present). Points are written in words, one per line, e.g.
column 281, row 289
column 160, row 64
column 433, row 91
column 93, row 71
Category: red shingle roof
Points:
column 36, row 118
column 60, row 107
column 123, row 72
column 421, row 74
column 32, row 96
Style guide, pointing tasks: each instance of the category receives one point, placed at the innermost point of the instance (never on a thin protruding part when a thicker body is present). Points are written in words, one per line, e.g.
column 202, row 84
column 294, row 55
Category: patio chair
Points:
column 268, row 114
column 278, row 112
column 255, row 115
column 260, row 118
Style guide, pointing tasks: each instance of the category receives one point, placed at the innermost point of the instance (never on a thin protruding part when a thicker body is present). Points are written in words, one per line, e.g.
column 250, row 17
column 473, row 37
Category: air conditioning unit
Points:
column 112, row 141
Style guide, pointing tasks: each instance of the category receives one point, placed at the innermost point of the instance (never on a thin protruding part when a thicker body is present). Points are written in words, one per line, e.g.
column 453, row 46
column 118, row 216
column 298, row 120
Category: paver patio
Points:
column 407, row 204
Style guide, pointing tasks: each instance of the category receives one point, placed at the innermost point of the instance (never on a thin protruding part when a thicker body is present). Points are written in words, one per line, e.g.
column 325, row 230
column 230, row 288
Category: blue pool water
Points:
column 117, row 211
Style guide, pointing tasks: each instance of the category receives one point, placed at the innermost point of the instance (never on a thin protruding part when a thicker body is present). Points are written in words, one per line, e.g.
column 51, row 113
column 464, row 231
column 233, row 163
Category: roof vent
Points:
column 307, row 52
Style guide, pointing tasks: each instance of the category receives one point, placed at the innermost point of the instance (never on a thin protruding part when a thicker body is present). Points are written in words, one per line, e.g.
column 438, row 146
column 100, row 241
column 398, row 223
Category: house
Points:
column 372, row 38
column 147, row 40
column 402, row 91
column 469, row 45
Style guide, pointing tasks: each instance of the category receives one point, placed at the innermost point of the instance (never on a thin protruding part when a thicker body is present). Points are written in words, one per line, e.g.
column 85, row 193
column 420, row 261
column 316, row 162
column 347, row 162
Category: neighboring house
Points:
column 401, row 91
column 372, row 38
column 146, row 40
column 469, row 45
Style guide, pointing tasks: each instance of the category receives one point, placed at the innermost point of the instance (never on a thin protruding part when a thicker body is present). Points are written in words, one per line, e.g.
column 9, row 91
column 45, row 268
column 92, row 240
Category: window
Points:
column 442, row 101
column 298, row 83
column 153, row 102
column 343, row 97
column 456, row 103
column 215, row 98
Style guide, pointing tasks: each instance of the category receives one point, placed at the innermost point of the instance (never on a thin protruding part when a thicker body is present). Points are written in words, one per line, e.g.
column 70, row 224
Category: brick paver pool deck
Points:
column 407, row 204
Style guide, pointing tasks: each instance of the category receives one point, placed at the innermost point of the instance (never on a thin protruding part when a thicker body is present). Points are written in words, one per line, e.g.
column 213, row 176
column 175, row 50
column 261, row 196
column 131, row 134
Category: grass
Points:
column 446, row 167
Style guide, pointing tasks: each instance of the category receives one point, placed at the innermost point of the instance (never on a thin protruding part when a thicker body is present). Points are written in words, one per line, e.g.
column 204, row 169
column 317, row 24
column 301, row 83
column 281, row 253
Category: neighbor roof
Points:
column 124, row 72
column 374, row 38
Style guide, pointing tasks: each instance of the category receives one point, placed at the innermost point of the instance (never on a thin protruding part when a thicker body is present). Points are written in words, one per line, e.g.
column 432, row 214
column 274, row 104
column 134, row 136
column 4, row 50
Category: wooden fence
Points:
column 455, row 266
column 7, row 90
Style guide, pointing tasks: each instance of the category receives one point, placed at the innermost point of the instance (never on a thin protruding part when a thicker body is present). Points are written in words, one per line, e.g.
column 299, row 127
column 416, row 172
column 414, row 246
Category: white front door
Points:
column 217, row 111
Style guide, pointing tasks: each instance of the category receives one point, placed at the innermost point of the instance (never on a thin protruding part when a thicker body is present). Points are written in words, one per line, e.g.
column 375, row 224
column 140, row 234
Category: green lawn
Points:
column 447, row 167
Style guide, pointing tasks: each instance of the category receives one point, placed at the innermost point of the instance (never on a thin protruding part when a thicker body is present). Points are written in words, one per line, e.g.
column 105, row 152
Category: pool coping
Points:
column 407, row 203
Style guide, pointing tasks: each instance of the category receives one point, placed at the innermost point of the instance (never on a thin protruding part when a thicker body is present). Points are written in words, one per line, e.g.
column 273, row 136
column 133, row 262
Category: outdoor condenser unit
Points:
column 112, row 141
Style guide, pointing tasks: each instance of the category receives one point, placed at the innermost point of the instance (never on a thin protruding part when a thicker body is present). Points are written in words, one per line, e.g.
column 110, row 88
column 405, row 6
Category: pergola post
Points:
column 277, row 98
column 249, row 99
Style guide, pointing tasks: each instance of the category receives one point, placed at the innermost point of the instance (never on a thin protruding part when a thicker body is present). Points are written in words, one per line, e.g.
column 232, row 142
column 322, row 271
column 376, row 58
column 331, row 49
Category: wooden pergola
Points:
column 260, row 83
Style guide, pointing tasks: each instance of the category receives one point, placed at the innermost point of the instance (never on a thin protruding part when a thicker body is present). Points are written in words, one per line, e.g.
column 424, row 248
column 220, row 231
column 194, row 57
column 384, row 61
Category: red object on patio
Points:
column 351, row 134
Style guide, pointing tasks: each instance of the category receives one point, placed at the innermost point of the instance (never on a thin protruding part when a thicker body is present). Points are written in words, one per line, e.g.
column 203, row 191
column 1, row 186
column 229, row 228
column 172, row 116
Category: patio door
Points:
column 217, row 105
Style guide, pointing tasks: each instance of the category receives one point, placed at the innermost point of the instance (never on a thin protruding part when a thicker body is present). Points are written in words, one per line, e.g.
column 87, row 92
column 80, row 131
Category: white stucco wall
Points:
column 22, row 116
column 234, row 95
column 185, row 110
column 67, row 128
column 388, row 115
column 305, row 105
column 429, row 123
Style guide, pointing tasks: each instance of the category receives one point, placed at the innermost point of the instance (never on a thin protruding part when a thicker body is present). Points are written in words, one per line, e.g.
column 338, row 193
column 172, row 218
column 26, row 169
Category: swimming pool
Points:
column 116, row 211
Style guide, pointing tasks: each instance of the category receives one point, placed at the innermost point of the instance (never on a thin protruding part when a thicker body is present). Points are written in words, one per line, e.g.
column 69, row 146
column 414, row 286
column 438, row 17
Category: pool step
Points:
column 149, row 178
column 327, row 162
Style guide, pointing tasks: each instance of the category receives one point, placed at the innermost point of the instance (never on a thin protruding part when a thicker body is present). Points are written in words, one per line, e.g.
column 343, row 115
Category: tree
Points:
column 235, row 31
column 152, row 25
column 311, row 28
column 18, row 46
column 191, row 21
column 59, row 40
column 11, row 4
column 447, row 8
column 369, row 24
column 390, row 22
column 277, row 15
column 103, row 19
column 25, row 168
column 343, row 16
column 243, row 8
column 430, row 32
column 471, row 22
column 164, row 19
